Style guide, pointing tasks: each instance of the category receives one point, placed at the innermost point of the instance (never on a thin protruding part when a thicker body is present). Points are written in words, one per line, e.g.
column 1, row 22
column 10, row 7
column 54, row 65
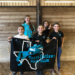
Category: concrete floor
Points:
column 4, row 51
column 67, row 68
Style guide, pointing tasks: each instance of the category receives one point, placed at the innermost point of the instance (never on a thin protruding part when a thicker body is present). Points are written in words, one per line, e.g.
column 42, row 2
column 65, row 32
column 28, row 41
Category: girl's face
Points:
column 27, row 19
column 40, row 29
column 20, row 30
column 45, row 24
column 56, row 27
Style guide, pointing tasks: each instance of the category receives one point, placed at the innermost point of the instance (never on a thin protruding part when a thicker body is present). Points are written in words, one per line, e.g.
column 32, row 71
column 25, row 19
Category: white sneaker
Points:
column 53, row 73
column 58, row 73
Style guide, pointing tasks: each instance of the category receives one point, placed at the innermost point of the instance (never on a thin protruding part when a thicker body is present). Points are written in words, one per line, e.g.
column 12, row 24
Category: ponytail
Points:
column 31, row 27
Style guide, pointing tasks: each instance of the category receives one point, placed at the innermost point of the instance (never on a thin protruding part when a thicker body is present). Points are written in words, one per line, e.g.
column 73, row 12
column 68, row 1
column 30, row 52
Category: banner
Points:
column 29, row 56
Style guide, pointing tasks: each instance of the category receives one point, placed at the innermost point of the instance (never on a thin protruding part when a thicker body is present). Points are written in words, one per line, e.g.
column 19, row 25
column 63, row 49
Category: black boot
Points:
column 22, row 73
column 14, row 73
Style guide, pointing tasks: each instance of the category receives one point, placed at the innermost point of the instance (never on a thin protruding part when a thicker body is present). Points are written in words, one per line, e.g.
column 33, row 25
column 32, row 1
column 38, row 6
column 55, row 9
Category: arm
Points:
column 37, row 41
column 34, row 38
column 62, row 41
column 27, row 38
column 54, row 38
column 51, row 36
column 49, row 27
column 47, row 41
column 44, row 28
column 9, row 39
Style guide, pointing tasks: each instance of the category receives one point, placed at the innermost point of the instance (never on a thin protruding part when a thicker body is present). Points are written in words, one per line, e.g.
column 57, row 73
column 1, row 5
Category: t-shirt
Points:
column 28, row 32
column 42, row 38
column 21, row 37
column 46, row 32
column 58, row 35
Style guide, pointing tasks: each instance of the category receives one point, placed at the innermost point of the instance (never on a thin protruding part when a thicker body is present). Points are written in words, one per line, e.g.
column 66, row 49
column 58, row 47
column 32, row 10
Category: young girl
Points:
column 40, row 37
column 47, row 27
column 56, row 34
column 28, row 27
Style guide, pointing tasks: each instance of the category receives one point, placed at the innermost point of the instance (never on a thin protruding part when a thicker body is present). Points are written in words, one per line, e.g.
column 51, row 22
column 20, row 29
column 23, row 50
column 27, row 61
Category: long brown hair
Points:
column 47, row 22
column 31, row 27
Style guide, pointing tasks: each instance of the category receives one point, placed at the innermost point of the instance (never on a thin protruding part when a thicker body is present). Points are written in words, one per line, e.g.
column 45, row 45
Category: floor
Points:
column 4, row 51
column 67, row 68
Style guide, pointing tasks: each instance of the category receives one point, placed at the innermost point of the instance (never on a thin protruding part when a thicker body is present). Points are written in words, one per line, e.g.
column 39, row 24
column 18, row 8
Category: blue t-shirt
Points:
column 28, row 32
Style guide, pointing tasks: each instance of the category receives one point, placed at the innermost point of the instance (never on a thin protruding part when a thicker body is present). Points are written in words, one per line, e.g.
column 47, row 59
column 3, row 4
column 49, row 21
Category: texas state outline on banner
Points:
column 26, row 53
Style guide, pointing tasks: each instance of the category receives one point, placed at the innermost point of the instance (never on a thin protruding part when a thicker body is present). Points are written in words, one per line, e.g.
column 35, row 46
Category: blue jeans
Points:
column 39, row 73
column 58, row 56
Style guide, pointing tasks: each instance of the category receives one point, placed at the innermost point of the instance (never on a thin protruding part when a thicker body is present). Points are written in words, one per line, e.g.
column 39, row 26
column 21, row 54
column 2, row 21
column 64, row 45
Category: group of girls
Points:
column 43, row 35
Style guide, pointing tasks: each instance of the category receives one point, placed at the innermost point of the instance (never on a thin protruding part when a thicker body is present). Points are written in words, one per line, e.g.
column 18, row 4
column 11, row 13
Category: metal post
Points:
column 39, row 13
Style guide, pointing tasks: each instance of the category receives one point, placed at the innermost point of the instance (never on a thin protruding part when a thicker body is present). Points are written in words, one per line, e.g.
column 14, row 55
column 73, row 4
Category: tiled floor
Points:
column 67, row 68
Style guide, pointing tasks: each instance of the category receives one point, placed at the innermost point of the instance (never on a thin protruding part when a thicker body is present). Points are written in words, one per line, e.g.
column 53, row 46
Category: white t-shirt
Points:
column 21, row 37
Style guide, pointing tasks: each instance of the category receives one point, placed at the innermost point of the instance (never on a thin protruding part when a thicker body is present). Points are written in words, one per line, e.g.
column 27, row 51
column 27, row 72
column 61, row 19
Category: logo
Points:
column 59, row 34
column 31, row 51
column 43, row 36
